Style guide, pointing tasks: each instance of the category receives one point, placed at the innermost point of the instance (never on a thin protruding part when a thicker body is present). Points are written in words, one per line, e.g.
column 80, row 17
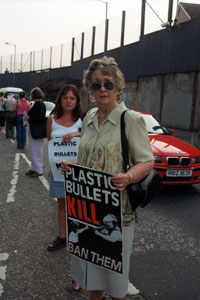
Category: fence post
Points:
column 61, row 54
column 42, row 60
column 93, row 40
column 1, row 65
column 33, row 60
column 142, row 18
column 50, row 62
column 123, row 27
column 30, row 61
column 106, row 37
column 82, row 45
column 72, row 54
column 21, row 62
column 11, row 63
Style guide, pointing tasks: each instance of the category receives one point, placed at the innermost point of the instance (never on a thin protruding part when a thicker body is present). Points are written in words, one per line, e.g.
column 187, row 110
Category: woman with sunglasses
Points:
column 100, row 149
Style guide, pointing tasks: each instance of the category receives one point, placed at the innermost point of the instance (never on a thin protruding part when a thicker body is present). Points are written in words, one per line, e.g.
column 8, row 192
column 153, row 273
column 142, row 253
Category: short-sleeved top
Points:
column 59, row 131
column 10, row 103
column 100, row 147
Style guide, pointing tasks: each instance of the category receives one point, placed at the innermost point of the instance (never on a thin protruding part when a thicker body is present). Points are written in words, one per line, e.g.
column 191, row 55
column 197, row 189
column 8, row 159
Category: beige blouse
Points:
column 100, row 147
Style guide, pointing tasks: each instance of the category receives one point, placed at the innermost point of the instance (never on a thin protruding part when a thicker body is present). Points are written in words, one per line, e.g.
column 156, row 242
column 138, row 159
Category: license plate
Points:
column 179, row 173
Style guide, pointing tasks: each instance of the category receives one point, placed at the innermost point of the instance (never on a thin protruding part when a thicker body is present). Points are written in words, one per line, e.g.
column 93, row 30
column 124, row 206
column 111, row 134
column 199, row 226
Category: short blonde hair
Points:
column 108, row 66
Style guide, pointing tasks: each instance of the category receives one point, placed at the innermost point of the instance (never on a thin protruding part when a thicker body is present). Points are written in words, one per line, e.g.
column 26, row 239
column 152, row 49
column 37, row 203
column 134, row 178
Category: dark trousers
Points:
column 10, row 116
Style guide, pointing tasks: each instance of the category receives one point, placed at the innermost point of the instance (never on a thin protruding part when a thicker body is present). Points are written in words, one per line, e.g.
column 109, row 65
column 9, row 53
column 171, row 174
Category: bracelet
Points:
column 131, row 176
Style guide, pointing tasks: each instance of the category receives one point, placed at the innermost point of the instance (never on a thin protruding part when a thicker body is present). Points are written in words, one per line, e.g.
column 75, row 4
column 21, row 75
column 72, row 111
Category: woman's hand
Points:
column 121, row 181
column 64, row 166
column 67, row 137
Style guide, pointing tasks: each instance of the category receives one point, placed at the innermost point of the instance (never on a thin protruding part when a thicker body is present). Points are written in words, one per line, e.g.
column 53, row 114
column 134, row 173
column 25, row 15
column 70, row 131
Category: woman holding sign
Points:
column 100, row 149
column 64, row 122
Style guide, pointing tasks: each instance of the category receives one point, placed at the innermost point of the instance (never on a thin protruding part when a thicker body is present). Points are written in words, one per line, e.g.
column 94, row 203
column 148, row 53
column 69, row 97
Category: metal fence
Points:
column 85, row 44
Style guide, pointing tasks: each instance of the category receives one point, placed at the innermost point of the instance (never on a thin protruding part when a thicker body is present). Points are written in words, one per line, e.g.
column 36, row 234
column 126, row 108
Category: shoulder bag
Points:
column 143, row 191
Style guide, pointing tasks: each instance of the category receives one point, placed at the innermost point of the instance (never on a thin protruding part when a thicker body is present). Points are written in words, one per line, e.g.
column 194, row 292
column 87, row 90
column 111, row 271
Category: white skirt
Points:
column 92, row 277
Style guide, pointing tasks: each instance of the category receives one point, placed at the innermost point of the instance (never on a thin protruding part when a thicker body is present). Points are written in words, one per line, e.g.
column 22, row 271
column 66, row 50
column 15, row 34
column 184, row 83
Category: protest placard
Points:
column 58, row 151
column 93, row 208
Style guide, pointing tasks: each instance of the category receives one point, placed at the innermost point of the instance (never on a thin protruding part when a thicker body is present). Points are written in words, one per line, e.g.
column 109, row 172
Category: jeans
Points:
column 21, row 132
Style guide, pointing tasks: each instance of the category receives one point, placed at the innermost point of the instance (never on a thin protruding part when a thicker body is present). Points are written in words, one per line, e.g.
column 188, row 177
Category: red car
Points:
column 176, row 161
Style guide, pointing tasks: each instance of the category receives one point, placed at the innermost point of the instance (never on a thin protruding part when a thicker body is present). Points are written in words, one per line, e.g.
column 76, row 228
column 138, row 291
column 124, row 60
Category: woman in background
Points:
column 36, row 114
column 2, row 111
column 22, row 110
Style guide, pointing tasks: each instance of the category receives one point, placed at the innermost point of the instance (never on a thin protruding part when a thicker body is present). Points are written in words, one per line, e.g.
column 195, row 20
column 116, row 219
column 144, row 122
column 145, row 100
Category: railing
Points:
column 85, row 44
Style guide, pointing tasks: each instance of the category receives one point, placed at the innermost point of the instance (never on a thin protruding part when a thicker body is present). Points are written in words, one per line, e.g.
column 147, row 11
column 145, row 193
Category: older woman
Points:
column 36, row 115
column 100, row 149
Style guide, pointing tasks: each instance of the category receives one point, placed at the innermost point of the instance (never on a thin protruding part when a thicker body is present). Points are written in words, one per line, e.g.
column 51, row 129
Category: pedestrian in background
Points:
column 2, row 110
column 10, row 106
column 22, row 110
column 100, row 149
column 36, row 115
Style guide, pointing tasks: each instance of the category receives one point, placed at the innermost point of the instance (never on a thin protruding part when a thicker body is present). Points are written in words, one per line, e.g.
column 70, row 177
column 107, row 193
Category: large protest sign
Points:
column 58, row 151
column 93, row 207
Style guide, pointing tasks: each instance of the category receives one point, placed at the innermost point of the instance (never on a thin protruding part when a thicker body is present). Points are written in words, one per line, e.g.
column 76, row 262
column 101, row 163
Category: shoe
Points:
column 57, row 244
column 76, row 287
column 132, row 289
column 36, row 174
column 29, row 172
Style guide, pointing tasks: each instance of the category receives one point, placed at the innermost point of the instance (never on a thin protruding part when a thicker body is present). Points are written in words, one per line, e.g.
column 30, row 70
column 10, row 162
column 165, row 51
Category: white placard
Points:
column 58, row 151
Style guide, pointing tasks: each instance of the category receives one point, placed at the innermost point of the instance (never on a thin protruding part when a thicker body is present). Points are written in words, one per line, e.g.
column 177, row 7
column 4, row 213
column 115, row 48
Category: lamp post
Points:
column 106, row 17
column 14, row 61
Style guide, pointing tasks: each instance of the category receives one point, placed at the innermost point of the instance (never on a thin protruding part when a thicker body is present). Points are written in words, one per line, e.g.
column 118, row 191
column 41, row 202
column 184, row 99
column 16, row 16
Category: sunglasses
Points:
column 96, row 86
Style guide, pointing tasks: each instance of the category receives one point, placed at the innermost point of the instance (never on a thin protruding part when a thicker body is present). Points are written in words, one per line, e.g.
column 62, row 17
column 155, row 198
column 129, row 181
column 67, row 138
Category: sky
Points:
column 38, row 24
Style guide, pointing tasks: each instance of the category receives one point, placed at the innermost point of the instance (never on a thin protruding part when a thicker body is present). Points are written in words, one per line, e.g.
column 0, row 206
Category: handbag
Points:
column 143, row 191
column 38, row 130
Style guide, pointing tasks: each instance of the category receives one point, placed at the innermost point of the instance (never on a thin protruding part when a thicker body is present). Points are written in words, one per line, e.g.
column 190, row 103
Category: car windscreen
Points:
column 153, row 126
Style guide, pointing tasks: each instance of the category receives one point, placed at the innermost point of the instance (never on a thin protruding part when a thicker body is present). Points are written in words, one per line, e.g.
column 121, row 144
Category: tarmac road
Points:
column 165, row 262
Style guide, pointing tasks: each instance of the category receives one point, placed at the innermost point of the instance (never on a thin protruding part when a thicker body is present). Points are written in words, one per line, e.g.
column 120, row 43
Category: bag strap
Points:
column 124, row 143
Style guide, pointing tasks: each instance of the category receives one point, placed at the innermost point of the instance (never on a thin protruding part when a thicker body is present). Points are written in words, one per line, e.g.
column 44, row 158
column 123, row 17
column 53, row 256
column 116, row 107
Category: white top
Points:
column 59, row 131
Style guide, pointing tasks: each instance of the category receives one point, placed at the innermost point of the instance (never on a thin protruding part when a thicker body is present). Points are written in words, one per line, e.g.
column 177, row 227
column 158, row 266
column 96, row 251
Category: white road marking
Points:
column 15, row 175
column 3, row 273
column 10, row 196
column 1, row 289
column 3, row 257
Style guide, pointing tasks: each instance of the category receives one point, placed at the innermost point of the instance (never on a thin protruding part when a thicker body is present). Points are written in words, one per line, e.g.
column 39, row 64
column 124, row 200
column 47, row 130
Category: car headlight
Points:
column 196, row 160
column 158, row 159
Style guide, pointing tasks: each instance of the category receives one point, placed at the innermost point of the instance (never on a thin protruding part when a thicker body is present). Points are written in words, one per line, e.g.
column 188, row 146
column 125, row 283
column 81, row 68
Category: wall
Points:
column 161, row 73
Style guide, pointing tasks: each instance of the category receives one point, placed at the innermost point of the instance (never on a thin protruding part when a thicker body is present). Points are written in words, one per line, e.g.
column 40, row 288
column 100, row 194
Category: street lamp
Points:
column 14, row 60
column 106, row 17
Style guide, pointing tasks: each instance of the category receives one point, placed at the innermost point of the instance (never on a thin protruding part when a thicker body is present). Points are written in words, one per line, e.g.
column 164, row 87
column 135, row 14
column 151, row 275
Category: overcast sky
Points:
column 37, row 24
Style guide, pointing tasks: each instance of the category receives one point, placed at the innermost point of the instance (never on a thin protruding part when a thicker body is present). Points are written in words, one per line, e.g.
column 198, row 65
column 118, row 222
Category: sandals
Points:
column 30, row 172
column 57, row 244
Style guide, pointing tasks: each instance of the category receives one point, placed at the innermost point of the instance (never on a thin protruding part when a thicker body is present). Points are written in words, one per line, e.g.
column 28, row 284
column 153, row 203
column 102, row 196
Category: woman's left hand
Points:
column 64, row 166
column 67, row 138
column 120, row 181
